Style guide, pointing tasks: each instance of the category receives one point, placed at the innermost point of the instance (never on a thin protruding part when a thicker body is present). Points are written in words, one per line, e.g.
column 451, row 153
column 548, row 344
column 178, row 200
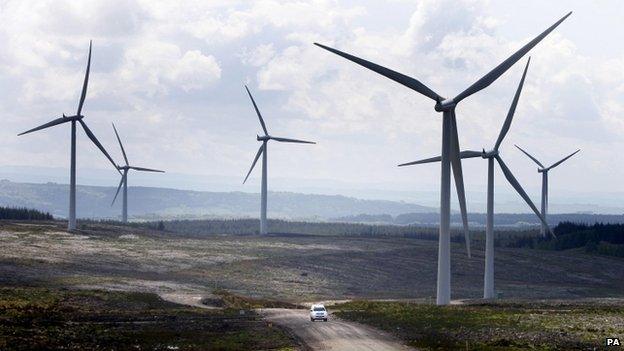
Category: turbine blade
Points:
column 286, row 140
column 97, row 143
column 512, row 180
column 257, row 111
column 146, row 169
column 489, row 78
column 512, row 109
column 463, row 154
column 86, row 82
column 459, row 180
column 531, row 157
column 260, row 150
column 121, row 145
column 563, row 160
column 388, row 73
column 425, row 160
column 118, row 188
column 47, row 125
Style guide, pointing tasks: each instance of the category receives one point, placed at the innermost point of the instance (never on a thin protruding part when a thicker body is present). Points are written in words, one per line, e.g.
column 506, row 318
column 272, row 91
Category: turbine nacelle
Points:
column 263, row 138
column 489, row 154
column 542, row 170
column 445, row 105
column 74, row 117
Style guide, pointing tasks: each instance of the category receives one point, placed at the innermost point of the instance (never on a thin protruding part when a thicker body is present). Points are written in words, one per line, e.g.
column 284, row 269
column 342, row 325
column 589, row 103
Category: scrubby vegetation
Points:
column 605, row 239
column 236, row 301
column 501, row 326
column 23, row 213
column 56, row 319
column 282, row 227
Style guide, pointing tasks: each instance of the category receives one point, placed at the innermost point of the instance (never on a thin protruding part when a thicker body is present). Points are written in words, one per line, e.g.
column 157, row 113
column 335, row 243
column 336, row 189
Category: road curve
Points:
column 335, row 335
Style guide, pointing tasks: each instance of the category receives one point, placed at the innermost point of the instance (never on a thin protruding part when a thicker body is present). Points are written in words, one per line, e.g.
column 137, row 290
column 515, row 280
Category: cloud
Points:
column 155, row 67
column 173, row 71
column 259, row 56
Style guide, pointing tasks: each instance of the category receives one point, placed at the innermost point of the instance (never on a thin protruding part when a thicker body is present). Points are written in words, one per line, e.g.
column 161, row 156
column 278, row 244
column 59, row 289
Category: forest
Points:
column 600, row 238
column 23, row 213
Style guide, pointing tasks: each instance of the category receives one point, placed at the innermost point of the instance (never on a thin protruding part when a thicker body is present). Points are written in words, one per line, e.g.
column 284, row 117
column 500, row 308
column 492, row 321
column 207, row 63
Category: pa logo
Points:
column 613, row 342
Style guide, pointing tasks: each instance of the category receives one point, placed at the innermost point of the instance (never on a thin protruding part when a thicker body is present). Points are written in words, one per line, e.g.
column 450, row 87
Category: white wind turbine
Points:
column 488, row 279
column 124, row 178
column 450, row 147
column 71, row 225
column 263, row 151
column 544, row 171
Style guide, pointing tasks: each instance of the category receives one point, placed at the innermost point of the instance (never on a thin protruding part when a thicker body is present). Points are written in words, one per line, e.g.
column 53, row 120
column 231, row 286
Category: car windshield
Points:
column 319, row 309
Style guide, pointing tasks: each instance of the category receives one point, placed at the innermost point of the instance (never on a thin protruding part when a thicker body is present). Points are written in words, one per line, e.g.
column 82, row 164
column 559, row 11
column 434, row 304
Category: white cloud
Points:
column 155, row 67
column 259, row 56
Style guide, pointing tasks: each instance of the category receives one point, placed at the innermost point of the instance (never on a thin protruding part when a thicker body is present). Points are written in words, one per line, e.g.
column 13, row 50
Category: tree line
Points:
column 606, row 239
column 283, row 227
column 23, row 213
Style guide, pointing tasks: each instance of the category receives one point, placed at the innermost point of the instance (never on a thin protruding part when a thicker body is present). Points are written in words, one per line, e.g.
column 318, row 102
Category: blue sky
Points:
column 171, row 77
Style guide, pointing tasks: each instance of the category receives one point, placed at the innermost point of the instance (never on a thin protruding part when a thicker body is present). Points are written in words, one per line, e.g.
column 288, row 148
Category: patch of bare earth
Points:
column 295, row 269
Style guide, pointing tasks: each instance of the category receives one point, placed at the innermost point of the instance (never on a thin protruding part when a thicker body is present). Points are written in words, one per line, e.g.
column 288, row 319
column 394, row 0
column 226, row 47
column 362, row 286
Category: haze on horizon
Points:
column 171, row 78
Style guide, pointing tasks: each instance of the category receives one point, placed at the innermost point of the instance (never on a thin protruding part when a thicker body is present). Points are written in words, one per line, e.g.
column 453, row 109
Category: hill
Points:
column 151, row 202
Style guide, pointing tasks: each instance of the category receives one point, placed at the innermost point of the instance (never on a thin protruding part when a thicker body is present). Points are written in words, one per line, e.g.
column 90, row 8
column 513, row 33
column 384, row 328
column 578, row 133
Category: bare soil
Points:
column 292, row 269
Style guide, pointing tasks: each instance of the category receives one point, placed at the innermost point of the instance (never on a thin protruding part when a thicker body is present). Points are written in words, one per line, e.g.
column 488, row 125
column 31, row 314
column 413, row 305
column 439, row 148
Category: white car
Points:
column 318, row 312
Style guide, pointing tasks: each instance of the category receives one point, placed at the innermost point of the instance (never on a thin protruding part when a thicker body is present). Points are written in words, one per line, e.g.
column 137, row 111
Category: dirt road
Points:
column 335, row 335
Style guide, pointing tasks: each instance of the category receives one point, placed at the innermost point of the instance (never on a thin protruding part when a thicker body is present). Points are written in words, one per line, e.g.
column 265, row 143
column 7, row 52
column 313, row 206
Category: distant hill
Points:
column 151, row 203
column 500, row 219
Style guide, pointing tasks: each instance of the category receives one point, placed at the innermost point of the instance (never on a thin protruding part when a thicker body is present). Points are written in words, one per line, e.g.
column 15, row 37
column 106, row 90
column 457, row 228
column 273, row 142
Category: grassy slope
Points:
column 501, row 326
column 39, row 318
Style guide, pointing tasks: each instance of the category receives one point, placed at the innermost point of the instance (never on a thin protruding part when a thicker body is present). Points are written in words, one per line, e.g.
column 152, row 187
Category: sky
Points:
column 171, row 76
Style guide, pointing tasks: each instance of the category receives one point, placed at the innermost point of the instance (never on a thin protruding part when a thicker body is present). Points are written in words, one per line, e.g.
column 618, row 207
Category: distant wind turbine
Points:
column 544, row 171
column 73, row 119
column 124, row 178
column 450, row 147
column 488, row 280
column 263, row 151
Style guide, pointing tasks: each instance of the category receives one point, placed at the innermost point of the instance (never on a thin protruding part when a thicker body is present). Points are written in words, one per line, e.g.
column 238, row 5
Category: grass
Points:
column 40, row 318
column 500, row 326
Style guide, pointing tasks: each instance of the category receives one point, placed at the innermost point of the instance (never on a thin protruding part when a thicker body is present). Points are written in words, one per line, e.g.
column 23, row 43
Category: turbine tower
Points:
column 544, row 171
column 78, row 117
column 488, row 279
column 263, row 151
column 450, row 146
column 124, row 178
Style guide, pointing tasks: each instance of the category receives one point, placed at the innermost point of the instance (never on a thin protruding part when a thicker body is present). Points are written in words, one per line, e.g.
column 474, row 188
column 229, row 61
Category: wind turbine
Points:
column 73, row 119
column 544, row 171
column 488, row 279
column 450, row 146
column 263, row 151
column 124, row 178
